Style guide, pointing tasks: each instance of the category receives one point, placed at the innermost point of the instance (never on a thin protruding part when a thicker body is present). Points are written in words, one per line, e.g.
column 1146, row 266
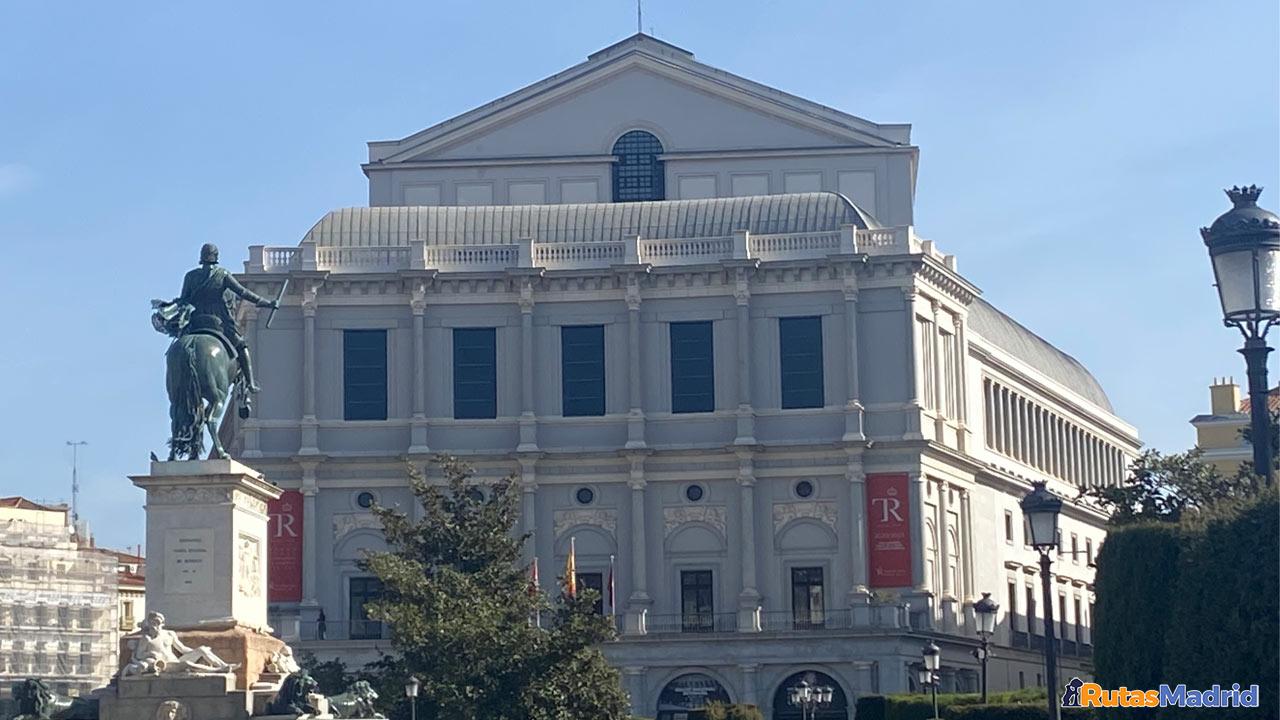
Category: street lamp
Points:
column 985, row 610
column 1244, row 247
column 929, row 672
column 411, row 691
column 809, row 697
column 1042, row 508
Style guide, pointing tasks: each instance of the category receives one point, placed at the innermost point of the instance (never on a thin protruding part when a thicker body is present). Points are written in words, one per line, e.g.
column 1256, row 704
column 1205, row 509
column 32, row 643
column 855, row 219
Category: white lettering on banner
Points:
column 888, row 506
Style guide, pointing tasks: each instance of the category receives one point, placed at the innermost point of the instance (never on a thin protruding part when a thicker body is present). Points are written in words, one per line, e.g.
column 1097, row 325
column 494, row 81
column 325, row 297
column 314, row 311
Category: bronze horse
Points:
column 201, row 374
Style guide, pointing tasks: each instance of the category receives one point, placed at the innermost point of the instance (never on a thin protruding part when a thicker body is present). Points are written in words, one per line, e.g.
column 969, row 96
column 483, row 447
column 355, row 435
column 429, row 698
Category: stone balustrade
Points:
column 585, row 254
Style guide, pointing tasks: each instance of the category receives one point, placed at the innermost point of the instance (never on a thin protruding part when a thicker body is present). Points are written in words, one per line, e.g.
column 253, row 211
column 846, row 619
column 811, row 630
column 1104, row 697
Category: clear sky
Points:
column 1069, row 154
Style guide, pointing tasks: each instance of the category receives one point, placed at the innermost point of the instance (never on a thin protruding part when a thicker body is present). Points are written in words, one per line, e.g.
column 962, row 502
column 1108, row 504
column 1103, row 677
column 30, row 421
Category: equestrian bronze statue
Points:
column 208, row 358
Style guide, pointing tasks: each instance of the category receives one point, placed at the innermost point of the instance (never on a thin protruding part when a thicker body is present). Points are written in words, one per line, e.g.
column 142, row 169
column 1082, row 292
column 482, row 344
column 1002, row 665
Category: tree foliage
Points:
column 459, row 605
column 1166, row 488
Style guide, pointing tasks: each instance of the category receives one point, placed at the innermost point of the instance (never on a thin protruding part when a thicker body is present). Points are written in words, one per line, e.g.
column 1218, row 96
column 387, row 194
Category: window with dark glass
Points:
column 582, row 369
column 475, row 373
column 693, row 379
column 593, row 581
column 364, row 374
column 638, row 174
column 697, row 613
column 360, row 592
column 807, row 603
column 694, row 493
column 800, row 348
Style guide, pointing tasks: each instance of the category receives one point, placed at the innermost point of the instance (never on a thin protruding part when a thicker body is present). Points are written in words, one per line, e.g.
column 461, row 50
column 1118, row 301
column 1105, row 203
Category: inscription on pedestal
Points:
column 187, row 557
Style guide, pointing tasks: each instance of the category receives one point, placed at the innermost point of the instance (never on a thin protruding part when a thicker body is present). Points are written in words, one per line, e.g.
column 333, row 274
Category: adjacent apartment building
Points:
column 691, row 313
column 59, row 619
column 1220, row 432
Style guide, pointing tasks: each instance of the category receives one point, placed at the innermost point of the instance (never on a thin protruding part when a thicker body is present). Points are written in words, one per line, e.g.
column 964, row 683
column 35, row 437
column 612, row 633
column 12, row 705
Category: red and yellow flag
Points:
column 571, row 572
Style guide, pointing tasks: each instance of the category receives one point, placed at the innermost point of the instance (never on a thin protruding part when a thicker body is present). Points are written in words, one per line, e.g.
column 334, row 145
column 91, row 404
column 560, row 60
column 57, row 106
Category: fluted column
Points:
column 859, row 592
column 947, row 603
column 746, row 415
column 529, row 504
column 528, row 420
column 418, row 304
column 914, row 408
column 251, row 441
column 853, row 411
column 310, row 427
column 309, row 533
column 749, row 596
column 639, row 602
column 966, row 545
column 963, row 435
column 635, row 412
column 939, row 378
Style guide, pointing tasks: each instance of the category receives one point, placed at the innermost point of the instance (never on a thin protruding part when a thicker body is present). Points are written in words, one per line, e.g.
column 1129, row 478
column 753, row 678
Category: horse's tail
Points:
column 185, row 403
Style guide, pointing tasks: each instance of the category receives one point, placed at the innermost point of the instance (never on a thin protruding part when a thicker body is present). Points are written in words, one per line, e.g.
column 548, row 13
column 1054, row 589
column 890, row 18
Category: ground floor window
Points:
column 684, row 697
column 784, row 710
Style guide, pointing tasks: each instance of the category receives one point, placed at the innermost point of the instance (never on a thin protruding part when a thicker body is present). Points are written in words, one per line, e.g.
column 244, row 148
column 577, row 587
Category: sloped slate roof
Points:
column 1005, row 333
column 501, row 225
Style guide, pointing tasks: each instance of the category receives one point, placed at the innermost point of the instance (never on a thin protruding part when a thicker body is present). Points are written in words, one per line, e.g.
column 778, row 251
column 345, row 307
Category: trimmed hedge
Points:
column 1135, row 587
column 919, row 706
column 1196, row 603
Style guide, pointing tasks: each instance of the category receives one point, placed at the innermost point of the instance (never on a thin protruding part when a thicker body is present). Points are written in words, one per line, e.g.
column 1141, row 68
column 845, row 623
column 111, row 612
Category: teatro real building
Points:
column 691, row 314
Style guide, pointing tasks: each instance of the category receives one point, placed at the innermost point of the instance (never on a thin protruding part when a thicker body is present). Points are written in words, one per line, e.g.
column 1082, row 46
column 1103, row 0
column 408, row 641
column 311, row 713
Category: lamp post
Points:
column 1042, row 509
column 985, row 610
column 411, row 691
column 809, row 697
column 929, row 672
column 1244, row 247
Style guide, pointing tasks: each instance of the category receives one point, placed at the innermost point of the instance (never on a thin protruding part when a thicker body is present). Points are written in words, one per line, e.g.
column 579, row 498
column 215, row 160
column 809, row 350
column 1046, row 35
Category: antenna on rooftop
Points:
column 75, row 480
column 639, row 17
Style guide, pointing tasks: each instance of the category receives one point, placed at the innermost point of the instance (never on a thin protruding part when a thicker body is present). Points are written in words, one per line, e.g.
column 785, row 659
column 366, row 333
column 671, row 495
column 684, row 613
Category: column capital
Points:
column 741, row 289
column 910, row 292
column 526, row 296
column 633, row 295
column 310, row 297
column 418, row 298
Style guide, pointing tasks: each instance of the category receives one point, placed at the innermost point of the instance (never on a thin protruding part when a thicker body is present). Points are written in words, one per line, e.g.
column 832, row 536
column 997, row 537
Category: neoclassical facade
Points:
column 692, row 316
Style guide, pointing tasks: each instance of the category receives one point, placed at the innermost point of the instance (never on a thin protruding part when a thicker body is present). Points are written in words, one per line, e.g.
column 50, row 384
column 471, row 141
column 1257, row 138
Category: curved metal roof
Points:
column 498, row 225
column 1005, row 333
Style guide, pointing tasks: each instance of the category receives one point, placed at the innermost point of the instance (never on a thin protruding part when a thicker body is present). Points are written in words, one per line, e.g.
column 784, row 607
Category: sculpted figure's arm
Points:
column 245, row 293
column 178, row 648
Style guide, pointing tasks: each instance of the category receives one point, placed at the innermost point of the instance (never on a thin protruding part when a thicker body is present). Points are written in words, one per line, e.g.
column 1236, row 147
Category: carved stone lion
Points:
column 296, row 696
column 357, row 702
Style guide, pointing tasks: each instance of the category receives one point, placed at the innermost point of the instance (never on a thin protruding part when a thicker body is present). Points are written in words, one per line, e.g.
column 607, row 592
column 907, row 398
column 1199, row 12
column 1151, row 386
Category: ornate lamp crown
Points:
column 1243, row 196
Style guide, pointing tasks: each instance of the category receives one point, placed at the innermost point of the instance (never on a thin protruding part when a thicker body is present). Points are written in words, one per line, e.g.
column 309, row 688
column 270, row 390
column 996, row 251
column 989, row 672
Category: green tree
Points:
column 1166, row 488
column 459, row 605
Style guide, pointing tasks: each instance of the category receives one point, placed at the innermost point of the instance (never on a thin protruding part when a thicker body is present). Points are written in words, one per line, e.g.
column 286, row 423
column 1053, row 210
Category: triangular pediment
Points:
column 639, row 82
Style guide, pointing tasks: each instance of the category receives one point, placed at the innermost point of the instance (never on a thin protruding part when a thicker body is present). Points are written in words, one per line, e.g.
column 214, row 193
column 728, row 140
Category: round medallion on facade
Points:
column 694, row 493
column 804, row 489
column 366, row 499
column 172, row 710
column 584, row 495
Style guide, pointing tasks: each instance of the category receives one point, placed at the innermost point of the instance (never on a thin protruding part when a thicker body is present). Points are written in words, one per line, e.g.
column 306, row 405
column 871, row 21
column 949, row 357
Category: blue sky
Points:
column 1069, row 153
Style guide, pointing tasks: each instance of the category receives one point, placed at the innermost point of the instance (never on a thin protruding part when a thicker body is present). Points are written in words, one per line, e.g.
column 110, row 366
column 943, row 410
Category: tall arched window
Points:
column 638, row 173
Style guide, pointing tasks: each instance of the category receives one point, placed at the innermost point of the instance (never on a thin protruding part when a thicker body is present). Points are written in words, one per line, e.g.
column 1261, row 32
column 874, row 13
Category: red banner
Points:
column 888, row 531
column 284, row 548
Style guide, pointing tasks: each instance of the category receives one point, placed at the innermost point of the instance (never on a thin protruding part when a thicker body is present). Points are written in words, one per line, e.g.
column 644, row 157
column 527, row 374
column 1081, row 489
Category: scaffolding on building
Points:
column 58, row 602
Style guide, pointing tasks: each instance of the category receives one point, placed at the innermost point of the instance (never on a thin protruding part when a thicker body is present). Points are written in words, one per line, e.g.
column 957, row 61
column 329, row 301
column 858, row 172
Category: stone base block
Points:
column 201, row 697
column 248, row 648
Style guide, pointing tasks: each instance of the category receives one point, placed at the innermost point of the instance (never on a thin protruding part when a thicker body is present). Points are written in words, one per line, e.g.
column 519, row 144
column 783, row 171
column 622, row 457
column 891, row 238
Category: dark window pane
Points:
column 692, row 368
column 697, row 613
column 361, row 592
column 807, row 601
column 593, row 581
column 638, row 174
column 475, row 373
column 364, row 374
column 800, row 345
column 582, row 369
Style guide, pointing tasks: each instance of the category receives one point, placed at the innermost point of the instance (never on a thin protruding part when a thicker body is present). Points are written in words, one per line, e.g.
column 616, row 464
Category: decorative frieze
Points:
column 346, row 523
column 823, row 511
column 674, row 517
column 602, row 518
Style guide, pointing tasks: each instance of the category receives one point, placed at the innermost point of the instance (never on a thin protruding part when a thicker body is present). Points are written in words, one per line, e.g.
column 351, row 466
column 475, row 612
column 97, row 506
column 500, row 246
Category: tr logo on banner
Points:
column 888, row 531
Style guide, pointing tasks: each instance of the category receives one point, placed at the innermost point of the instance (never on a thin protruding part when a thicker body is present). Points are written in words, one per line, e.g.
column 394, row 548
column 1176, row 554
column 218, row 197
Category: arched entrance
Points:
column 684, row 697
column 784, row 710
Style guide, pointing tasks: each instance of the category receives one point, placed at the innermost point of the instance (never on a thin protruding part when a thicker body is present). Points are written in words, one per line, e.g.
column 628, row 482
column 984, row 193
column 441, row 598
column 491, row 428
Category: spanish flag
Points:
column 571, row 573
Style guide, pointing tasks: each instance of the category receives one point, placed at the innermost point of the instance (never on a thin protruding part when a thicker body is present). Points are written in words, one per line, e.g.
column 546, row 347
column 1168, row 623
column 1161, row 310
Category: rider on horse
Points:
column 211, row 291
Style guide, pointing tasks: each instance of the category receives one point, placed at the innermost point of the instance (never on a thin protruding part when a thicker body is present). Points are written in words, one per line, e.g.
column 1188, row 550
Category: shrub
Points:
column 721, row 711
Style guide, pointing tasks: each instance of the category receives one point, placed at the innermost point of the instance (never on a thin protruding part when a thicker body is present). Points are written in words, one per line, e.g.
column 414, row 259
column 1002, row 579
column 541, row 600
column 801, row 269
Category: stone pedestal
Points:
column 204, row 697
column 207, row 543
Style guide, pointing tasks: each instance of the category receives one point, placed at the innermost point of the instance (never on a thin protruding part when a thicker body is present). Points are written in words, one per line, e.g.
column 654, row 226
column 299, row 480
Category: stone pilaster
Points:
column 635, row 391
column 639, row 601
column 745, row 414
column 310, row 426
column 528, row 419
column 418, row 422
column 853, row 410
column 749, row 596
